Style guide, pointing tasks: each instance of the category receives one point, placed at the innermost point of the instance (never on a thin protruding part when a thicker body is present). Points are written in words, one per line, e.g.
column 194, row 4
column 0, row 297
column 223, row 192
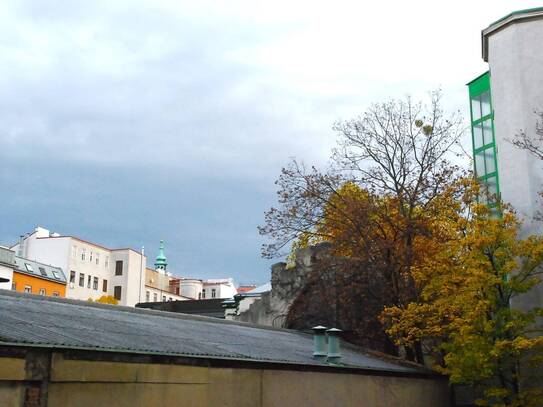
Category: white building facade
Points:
column 503, row 102
column 7, row 260
column 92, row 270
column 218, row 288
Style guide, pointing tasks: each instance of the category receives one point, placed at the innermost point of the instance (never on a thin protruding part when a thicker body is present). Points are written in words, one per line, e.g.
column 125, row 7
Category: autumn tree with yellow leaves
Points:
column 464, row 314
column 377, row 206
column 417, row 267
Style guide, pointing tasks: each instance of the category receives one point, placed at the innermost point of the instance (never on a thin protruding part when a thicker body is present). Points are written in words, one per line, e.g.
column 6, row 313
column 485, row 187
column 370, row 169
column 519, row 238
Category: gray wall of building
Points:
column 515, row 58
column 40, row 378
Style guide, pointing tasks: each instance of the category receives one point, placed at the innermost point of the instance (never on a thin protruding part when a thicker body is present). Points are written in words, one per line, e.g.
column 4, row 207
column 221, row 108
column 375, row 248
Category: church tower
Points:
column 160, row 261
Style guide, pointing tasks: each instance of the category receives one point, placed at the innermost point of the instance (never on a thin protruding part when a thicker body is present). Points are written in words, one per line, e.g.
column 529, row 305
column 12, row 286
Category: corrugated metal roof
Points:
column 54, row 322
column 264, row 288
column 40, row 270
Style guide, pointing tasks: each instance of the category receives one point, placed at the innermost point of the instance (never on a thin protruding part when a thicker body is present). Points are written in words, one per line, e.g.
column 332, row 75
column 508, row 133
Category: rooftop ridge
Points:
column 39, row 262
column 145, row 311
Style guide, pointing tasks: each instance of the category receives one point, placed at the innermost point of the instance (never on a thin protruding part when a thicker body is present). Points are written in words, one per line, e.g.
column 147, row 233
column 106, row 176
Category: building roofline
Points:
column 419, row 370
column 114, row 354
column 167, row 292
column 511, row 18
column 87, row 242
column 27, row 273
column 476, row 78
column 40, row 263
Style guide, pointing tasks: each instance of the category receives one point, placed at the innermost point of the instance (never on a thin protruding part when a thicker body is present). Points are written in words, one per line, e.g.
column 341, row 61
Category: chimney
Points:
column 319, row 342
column 334, row 352
column 21, row 243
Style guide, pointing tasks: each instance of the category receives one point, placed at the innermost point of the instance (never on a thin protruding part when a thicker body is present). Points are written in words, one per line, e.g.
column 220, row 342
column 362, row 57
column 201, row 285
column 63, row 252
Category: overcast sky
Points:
column 127, row 122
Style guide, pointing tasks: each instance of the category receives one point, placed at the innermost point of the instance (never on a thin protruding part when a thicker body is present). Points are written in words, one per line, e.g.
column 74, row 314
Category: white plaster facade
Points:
column 159, row 287
column 515, row 59
column 191, row 288
column 218, row 288
column 513, row 48
column 6, row 267
column 92, row 270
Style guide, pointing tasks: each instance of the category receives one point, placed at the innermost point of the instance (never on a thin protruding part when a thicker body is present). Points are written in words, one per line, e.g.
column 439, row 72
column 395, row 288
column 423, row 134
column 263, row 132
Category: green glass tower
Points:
column 483, row 141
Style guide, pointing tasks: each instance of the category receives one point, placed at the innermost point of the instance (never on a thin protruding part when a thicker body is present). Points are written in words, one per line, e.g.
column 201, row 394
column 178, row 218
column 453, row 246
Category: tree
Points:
column 463, row 311
column 531, row 143
column 105, row 299
column 377, row 202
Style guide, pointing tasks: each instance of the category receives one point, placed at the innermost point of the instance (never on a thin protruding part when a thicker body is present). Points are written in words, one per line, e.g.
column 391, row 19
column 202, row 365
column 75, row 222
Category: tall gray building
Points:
column 503, row 101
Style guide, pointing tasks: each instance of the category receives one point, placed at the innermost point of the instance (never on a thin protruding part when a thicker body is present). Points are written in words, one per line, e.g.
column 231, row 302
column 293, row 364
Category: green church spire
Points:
column 160, row 262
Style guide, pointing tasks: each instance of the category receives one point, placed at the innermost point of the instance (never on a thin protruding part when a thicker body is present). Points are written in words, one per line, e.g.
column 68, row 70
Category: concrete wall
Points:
column 132, row 280
column 53, row 251
column 516, row 68
column 222, row 289
column 81, row 383
column 191, row 288
column 6, row 272
column 97, row 263
column 160, row 294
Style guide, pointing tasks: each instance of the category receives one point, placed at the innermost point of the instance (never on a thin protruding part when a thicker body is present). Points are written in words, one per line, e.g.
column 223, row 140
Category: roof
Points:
column 261, row 289
column 46, row 322
column 208, row 308
column 59, row 236
column 6, row 256
column 39, row 270
column 511, row 18
column 245, row 288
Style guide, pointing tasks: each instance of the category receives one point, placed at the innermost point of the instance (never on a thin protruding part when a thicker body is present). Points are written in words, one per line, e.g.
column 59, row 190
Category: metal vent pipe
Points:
column 319, row 342
column 334, row 351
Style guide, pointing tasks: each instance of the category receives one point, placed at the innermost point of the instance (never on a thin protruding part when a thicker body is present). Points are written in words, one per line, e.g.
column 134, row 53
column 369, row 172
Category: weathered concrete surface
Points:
column 516, row 67
column 287, row 283
column 82, row 383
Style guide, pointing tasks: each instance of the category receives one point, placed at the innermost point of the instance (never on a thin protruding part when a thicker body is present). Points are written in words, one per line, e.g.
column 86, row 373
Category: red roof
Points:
column 245, row 288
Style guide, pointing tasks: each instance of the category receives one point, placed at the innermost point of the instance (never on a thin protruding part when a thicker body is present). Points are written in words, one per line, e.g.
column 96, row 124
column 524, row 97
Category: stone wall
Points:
column 271, row 308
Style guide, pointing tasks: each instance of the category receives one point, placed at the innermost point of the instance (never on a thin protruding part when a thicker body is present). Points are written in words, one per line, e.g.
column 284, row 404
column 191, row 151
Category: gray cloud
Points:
column 124, row 122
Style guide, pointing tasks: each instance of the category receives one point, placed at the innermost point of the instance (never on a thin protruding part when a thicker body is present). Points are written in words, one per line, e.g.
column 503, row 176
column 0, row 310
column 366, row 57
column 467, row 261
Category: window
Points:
column 117, row 292
column 74, row 251
column 155, row 297
column 199, row 296
column 56, row 274
column 213, row 293
column 104, row 285
column 95, row 283
column 163, row 298
column 14, row 286
column 90, row 256
column 56, row 294
column 42, row 291
column 29, row 267
column 42, row 271
column 106, row 264
column 203, row 293
column 97, row 259
column 89, row 279
column 484, row 146
column 72, row 276
column 81, row 280
column 169, row 299
column 83, row 253
column 28, row 289
column 147, row 296
column 119, row 268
